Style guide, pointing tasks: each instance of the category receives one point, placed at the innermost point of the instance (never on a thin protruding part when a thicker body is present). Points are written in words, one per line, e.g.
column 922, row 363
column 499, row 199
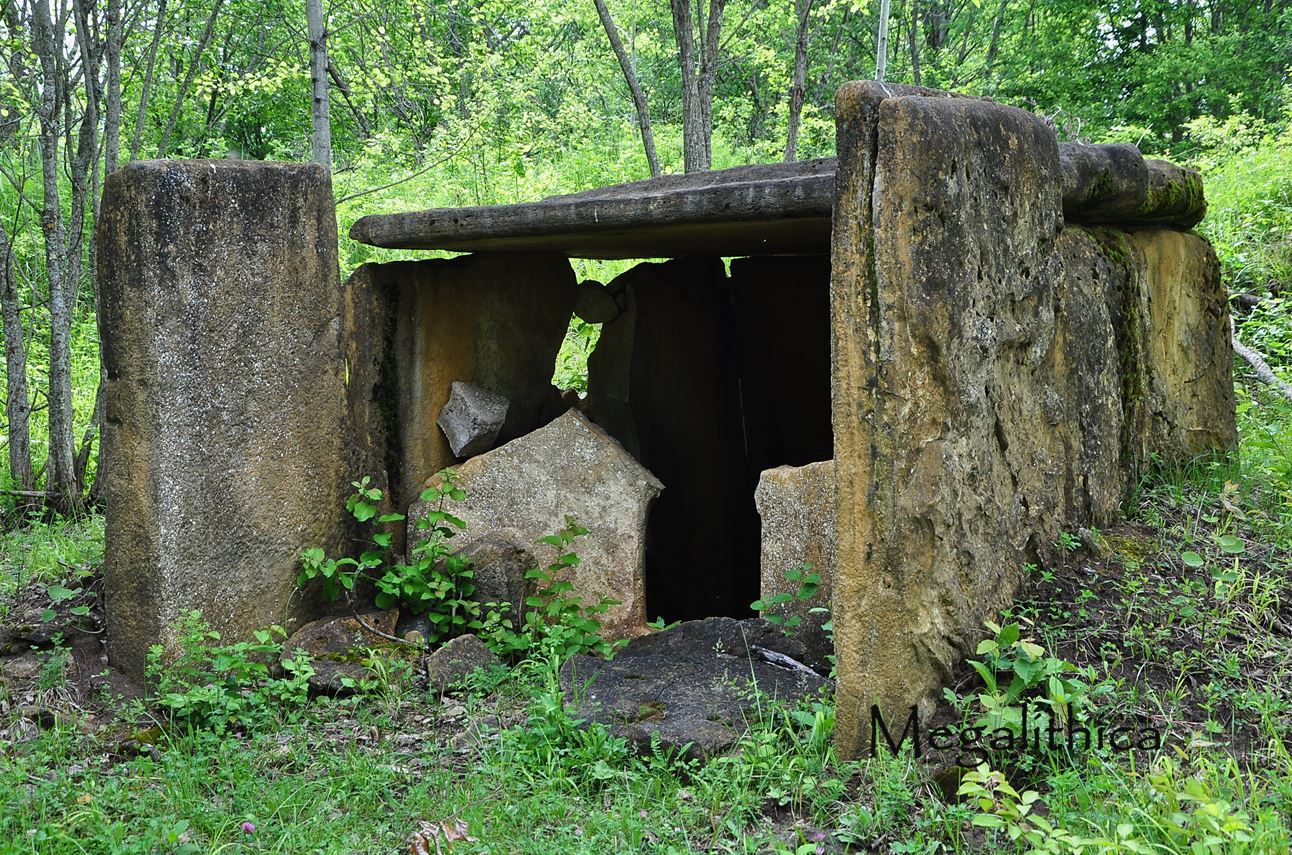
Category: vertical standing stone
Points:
column 222, row 450
column 948, row 457
column 796, row 506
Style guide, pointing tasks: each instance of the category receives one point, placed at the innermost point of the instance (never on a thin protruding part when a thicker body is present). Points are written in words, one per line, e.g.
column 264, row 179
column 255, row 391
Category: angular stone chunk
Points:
column 455, row 661
column 691, row 686
column 337, row 646
column 472, row 418
column 796, row 505
column 225, row 399
column 568, row 467
column 499, row 564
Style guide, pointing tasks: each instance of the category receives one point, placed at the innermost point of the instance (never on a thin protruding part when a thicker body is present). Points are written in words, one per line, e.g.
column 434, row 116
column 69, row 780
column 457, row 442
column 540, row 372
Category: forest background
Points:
column 468, row 102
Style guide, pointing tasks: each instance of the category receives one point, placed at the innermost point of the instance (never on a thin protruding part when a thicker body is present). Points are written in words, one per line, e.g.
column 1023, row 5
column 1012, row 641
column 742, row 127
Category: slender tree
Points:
column 321, row 143
column 803, row 8
column 697, row 57
column 634, row 86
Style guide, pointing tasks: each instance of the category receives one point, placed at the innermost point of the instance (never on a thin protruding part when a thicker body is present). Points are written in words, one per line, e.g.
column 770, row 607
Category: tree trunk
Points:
column 189, row 74
column 142, row 112
column 694, row 145
column 913, row 38
column 881, row 42
column 630, row 75
column 321, row 144
column 797, row 94
column 60, row 477
column 17, row 399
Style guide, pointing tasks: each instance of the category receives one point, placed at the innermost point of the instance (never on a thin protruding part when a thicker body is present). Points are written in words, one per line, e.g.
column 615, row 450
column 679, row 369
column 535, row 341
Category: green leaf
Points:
column 80, row 611
column 1191, row 559
column 1231, row 544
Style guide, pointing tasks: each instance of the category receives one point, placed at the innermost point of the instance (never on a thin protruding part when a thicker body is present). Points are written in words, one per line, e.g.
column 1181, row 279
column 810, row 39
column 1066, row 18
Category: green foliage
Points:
column 1003, row 811
column 1014, row 669
column 808, row 584
column 438, row 582
column 214, row 686
column 557, row 623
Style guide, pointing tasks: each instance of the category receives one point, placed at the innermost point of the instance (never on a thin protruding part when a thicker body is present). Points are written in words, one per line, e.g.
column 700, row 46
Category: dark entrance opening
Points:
column 708, row 379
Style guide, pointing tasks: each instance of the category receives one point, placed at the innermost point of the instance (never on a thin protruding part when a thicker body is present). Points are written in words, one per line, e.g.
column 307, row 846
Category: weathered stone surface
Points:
column 568, row 467
column 1189, row 350
column 225, row 403
column 779, row 207
column 1115, row 184
column 598, row 304
column 946, row 466
column 993, row 381
column 691, row 686
column 455, row 661
column 500, row 562
column 796, row 506
column 337, row 647
column 472, row 419
column 413, row 328
column 20, row 668
column 762, row 209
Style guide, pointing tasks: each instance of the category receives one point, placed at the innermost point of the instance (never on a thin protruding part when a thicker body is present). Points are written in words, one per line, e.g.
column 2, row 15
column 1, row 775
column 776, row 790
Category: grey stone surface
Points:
column 690, row 687
column 454, row 662
column 762, row 209
column 337, row 647
column 223, row 443
column 472, row 418
column 796, row 507
column 568, row 467
column 500, row 561
column 413, row 328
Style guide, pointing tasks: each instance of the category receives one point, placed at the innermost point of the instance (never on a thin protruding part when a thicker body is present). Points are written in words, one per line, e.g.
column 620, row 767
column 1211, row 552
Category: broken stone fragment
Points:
column 472, row 418
column 567, row 468
column 796, row 505
column 499, row 564
column 455, row 661
column 338, row 646
column 691, row 686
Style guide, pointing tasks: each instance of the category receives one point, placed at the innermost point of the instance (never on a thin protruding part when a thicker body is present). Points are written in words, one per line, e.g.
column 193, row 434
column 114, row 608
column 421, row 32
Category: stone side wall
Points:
column 997, row 378
column 222, row 447
column 413, row 328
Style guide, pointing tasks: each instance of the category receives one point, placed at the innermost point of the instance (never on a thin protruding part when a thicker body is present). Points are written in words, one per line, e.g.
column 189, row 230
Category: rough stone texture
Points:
column 472, row 419
column 689, row 686
column 796, row 507
column 568, row 467
column 994, row 379
column 499, row 563
column 455, row 661
column 337, row 647
column 413, row 328
column 763, row 209
column 1189, row 347
column 225, row 402
column 946, row 454
column 779, row 207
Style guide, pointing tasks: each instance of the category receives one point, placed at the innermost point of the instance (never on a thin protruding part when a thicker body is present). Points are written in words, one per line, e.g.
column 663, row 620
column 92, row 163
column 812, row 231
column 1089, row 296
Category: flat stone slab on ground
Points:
column 688, row 686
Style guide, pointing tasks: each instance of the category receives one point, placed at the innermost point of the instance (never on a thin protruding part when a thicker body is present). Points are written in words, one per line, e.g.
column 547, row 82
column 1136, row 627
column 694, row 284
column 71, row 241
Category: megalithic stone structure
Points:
column 222, row 452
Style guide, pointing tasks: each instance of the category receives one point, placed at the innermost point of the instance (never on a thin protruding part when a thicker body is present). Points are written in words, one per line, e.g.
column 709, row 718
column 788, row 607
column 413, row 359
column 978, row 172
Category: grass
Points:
column 1181, row 614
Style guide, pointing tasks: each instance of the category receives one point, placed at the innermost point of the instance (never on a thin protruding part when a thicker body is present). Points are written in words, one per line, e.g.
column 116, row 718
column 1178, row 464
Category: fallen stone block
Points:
column 691, row 687
column 569, row 467
column 456, row 660
column 472, row 418
column 337, row 647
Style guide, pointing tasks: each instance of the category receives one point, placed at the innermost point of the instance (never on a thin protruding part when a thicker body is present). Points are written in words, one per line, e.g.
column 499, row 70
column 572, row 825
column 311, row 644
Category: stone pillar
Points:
column 796, row 507
column 222, row 451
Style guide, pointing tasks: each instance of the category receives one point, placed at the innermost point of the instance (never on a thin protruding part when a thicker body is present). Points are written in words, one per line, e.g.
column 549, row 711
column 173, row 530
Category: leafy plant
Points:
column 214, row 686
column 557, row 623
column 437, row 582
column 808, row 584
column 1004, row 811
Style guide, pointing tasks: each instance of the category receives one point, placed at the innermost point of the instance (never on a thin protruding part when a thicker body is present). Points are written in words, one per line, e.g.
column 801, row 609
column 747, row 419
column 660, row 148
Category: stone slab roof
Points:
column 764, row 209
